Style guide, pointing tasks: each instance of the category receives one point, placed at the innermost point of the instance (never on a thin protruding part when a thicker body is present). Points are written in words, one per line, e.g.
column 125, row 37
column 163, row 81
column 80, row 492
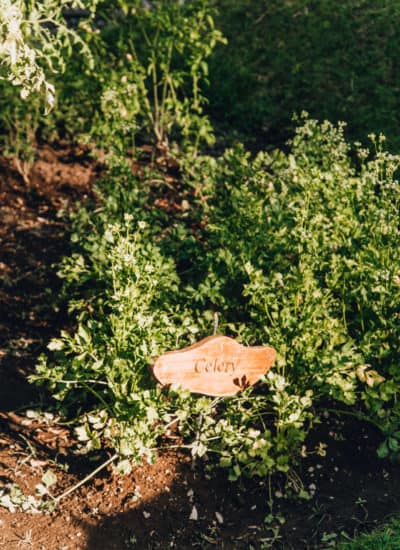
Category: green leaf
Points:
column 55, row 345
column 49, row 478
column 383, row 450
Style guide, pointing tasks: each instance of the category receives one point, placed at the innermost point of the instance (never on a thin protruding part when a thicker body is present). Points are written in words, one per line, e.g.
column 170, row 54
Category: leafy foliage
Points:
column 384, row 538
column 337, row 60
column 134, row 72
column 152, row 66
column 295, row 250
column 308, row 243
column 35, row 42
column 33, row 37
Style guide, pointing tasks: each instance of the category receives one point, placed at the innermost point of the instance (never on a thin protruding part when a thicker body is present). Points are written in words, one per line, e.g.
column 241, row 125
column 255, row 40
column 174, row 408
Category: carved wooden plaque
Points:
column 216, row 366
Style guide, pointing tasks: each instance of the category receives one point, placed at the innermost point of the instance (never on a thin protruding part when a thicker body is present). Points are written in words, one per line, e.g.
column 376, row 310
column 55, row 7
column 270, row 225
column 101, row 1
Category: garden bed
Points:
column 173, row 503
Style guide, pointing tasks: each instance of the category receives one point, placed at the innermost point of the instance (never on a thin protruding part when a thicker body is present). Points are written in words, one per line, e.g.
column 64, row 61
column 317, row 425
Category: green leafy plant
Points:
column 33, row 36
column 384, row 538
column 294, row 250
column 307, row 253
column 143, row 78
column 337, row 61
column 35, row 42
column 153, row 64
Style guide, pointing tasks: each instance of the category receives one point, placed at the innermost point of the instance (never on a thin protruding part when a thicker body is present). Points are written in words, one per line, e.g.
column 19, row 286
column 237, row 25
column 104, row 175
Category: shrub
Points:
column 143, row 78
column 35, row 42
column 335, row 60
column 295, row 250
column 304, row 249
column 152, row 62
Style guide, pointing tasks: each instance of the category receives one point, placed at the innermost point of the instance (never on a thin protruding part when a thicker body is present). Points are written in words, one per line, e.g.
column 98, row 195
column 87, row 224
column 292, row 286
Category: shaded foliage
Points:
column 338, row 61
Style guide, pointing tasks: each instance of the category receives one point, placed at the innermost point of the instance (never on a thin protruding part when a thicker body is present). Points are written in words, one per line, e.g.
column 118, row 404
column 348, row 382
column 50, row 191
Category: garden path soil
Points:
column 152, row 508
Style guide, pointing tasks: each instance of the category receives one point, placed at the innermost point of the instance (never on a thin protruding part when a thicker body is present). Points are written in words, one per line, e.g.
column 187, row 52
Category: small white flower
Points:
column 24, row 93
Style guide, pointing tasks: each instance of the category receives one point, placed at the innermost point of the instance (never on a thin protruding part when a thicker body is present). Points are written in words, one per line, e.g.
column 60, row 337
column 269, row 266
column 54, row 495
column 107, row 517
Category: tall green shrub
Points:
column 298, row 251
column 152, row 62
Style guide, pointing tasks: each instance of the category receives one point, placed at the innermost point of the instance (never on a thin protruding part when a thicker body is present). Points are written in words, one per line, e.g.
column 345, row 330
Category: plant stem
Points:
column 85, row 479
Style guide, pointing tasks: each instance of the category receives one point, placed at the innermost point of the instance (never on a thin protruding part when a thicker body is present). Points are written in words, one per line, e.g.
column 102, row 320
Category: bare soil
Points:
column 172, row 503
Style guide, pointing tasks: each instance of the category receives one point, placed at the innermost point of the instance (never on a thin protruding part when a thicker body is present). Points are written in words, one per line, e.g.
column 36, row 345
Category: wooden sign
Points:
column 216, row 366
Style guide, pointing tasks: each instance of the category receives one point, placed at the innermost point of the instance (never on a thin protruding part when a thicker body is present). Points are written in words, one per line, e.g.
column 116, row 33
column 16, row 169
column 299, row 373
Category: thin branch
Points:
column 85, row 479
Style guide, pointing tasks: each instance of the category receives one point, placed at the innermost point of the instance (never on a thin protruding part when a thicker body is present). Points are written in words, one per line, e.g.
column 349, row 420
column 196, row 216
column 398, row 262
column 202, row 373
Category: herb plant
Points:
column 297, row 250
column 152, row 62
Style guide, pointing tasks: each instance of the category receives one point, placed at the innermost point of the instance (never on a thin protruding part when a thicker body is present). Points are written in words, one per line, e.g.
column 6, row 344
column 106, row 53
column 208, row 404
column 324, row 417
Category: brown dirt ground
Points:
column 151, row 508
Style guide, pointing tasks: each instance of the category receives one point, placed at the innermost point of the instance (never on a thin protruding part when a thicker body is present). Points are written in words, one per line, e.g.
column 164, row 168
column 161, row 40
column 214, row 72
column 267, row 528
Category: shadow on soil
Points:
column 351, row 491
column 32, row 241
column 187, row 511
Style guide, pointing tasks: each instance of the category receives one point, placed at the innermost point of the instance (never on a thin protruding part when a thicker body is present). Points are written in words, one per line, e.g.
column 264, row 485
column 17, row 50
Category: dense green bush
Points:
column 34, row 38
column 308, row 242
column 131, row 73
column 35, row 43
column 294, row 250
column 337, row 60
column 149, row 68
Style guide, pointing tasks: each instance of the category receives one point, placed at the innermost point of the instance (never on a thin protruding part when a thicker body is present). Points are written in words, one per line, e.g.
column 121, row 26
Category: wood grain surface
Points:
column 217, row 366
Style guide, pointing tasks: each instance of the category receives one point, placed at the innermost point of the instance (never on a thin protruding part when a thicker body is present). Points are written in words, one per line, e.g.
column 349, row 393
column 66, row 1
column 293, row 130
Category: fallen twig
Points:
column 85, row 479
